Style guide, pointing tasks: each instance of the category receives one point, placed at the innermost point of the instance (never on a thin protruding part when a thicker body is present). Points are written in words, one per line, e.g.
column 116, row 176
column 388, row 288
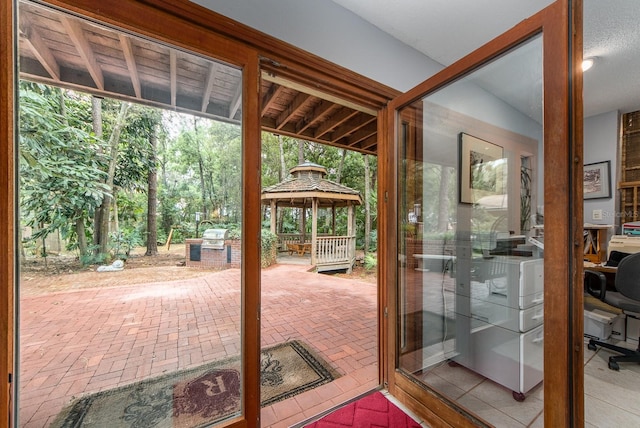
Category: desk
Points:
column 300, row 249
column 608, row 271
column 601, row 268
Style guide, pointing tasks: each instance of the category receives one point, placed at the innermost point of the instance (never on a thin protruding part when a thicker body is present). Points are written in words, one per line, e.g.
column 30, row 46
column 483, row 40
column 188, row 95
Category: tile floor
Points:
column 78, row 342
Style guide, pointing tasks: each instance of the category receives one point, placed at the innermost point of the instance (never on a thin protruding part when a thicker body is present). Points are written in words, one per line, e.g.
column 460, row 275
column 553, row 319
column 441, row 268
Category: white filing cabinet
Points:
column 499, row 327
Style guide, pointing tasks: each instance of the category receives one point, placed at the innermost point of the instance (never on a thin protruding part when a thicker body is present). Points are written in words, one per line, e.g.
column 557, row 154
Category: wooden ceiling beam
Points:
column 74, row 30
column 316, row 93
column 370, row 143
column 319, row 112
column 361, row 134
column 349, row 128
column 40, row 50
column 334, row 121
column 294, row 107
column 211, row 76
column 127, row 50
column 173, row 76
column 268, row 125
column 236, row 101
column 270, row 97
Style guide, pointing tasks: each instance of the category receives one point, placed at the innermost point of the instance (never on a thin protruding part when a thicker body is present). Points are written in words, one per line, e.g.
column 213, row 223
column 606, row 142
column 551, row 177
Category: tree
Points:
column 113, row 143
column 152, row 197
column 367, row 205
column 61, row 180
column 96, row 124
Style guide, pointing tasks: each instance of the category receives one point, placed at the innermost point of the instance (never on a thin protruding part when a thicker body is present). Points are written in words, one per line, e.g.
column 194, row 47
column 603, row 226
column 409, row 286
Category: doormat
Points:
column 199, row 396
column 374, row 410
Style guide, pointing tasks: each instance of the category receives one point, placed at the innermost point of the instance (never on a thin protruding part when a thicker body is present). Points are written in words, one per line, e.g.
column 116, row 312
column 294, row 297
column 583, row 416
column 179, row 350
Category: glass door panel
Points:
column 471, row 268
column 126, row 142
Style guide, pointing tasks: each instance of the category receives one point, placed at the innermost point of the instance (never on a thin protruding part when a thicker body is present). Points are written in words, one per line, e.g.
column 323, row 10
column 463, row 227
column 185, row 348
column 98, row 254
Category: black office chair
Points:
column 626, row 297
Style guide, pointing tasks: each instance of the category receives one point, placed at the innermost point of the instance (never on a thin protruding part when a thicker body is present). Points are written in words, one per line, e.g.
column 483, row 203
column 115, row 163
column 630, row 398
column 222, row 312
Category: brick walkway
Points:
column 80, row 342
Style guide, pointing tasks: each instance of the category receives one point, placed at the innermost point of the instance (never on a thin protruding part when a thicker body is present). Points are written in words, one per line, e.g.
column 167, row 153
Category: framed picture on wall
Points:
column 597, row 180
column 481, row 167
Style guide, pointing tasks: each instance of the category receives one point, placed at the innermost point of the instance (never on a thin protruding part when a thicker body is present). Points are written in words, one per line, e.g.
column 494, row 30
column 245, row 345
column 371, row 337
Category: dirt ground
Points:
column 64, row 272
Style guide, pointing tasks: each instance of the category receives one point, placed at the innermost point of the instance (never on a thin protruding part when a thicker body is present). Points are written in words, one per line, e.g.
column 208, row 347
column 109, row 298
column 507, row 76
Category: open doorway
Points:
column 319, row 288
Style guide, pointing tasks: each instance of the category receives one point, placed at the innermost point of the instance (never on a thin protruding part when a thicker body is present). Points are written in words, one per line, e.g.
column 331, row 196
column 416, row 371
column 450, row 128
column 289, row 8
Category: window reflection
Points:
column 470, row 281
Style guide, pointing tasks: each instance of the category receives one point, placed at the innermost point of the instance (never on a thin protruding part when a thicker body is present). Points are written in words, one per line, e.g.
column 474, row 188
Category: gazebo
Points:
column 307, row 187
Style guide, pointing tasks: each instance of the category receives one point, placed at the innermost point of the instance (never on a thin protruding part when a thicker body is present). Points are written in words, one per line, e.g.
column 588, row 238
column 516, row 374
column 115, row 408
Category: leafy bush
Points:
column 370, row 261
column 268, row 247
column 373, row 239
column 91, row 258
column 123, row 241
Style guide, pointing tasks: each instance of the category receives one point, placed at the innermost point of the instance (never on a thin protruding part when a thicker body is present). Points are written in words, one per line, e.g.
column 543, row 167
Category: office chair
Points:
column 626, row 297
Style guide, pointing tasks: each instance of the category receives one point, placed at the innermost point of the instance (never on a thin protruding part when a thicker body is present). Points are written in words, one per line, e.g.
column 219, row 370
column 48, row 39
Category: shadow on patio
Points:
column 75, row 343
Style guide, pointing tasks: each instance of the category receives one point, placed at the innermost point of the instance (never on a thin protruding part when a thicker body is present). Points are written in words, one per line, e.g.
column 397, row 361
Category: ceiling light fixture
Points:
column 587, row 63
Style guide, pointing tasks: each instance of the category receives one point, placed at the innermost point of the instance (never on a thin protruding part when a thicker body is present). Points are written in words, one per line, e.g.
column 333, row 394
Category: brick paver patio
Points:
column 80, row 342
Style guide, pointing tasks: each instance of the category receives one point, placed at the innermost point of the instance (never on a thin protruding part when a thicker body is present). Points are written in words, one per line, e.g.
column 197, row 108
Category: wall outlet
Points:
column 596, row 215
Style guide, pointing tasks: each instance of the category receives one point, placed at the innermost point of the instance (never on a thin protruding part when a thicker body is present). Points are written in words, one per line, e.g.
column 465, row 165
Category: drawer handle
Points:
column 538, row 340
column 538, row 317
column 538, row 300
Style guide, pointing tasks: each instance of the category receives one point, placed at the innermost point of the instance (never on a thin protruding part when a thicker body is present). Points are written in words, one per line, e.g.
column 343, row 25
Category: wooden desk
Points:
column 299, row 248
column 601, row 268
column 608, row 271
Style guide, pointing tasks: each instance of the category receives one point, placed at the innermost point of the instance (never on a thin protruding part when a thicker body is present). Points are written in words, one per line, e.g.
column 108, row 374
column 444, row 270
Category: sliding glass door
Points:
column 133, row 158
column 484, row 260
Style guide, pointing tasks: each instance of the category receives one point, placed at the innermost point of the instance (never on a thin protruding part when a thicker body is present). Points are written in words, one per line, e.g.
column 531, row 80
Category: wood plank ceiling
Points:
column 62, row 50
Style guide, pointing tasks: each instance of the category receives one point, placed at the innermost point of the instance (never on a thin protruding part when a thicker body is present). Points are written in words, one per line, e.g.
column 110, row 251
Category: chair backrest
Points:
column 628, row 277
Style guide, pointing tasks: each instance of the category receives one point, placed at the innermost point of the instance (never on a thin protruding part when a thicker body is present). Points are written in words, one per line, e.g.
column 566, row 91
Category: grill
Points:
column 214, row 238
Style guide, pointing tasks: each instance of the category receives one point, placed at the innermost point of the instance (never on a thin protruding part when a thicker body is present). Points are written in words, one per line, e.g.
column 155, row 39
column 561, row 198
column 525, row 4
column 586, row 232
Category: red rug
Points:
column 371, row 411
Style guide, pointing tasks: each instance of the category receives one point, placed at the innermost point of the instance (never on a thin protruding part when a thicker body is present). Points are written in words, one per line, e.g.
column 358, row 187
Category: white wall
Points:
column 331, row 32
column 325, row 29
column 601, row 144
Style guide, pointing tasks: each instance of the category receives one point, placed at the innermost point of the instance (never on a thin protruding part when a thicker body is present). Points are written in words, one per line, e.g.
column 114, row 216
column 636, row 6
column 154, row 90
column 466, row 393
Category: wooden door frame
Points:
column 195, row 28
column 7, row 208
column 159, row 25
column 563, row 350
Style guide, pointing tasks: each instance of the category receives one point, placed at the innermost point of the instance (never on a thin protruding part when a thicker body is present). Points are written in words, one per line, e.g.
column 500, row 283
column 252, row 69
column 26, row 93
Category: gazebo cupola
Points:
column 308, row 187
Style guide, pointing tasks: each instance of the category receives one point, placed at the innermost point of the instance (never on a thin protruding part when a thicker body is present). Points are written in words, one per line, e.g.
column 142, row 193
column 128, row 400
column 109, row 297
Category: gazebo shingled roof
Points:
column 307, row 181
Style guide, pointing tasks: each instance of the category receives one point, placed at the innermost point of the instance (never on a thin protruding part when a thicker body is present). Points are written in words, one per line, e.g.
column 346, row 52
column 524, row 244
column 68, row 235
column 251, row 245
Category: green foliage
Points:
column 64, row 170
column 61, row 177
column 205, row 161
column 135, row 152
column 123, row 242
column 370, row 261
column 268, row 244
column 93, row 257
column 267, row 240
column 374, row 239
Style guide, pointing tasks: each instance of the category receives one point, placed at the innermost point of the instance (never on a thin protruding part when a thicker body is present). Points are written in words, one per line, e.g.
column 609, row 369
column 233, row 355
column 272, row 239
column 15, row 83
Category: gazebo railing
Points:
column 292, row 238
column 335, row 252
column 287, row 238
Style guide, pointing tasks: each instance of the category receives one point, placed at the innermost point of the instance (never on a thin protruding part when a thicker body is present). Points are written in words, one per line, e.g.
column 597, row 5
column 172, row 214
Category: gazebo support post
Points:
column 333, row 219
column 303, row 222
column 351, row 227
column 314, row 229
column 274, row 216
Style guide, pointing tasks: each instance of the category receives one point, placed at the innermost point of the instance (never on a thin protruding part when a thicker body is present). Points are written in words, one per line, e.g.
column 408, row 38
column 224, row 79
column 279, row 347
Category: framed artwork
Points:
column 597, row 180
column 482, row 171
